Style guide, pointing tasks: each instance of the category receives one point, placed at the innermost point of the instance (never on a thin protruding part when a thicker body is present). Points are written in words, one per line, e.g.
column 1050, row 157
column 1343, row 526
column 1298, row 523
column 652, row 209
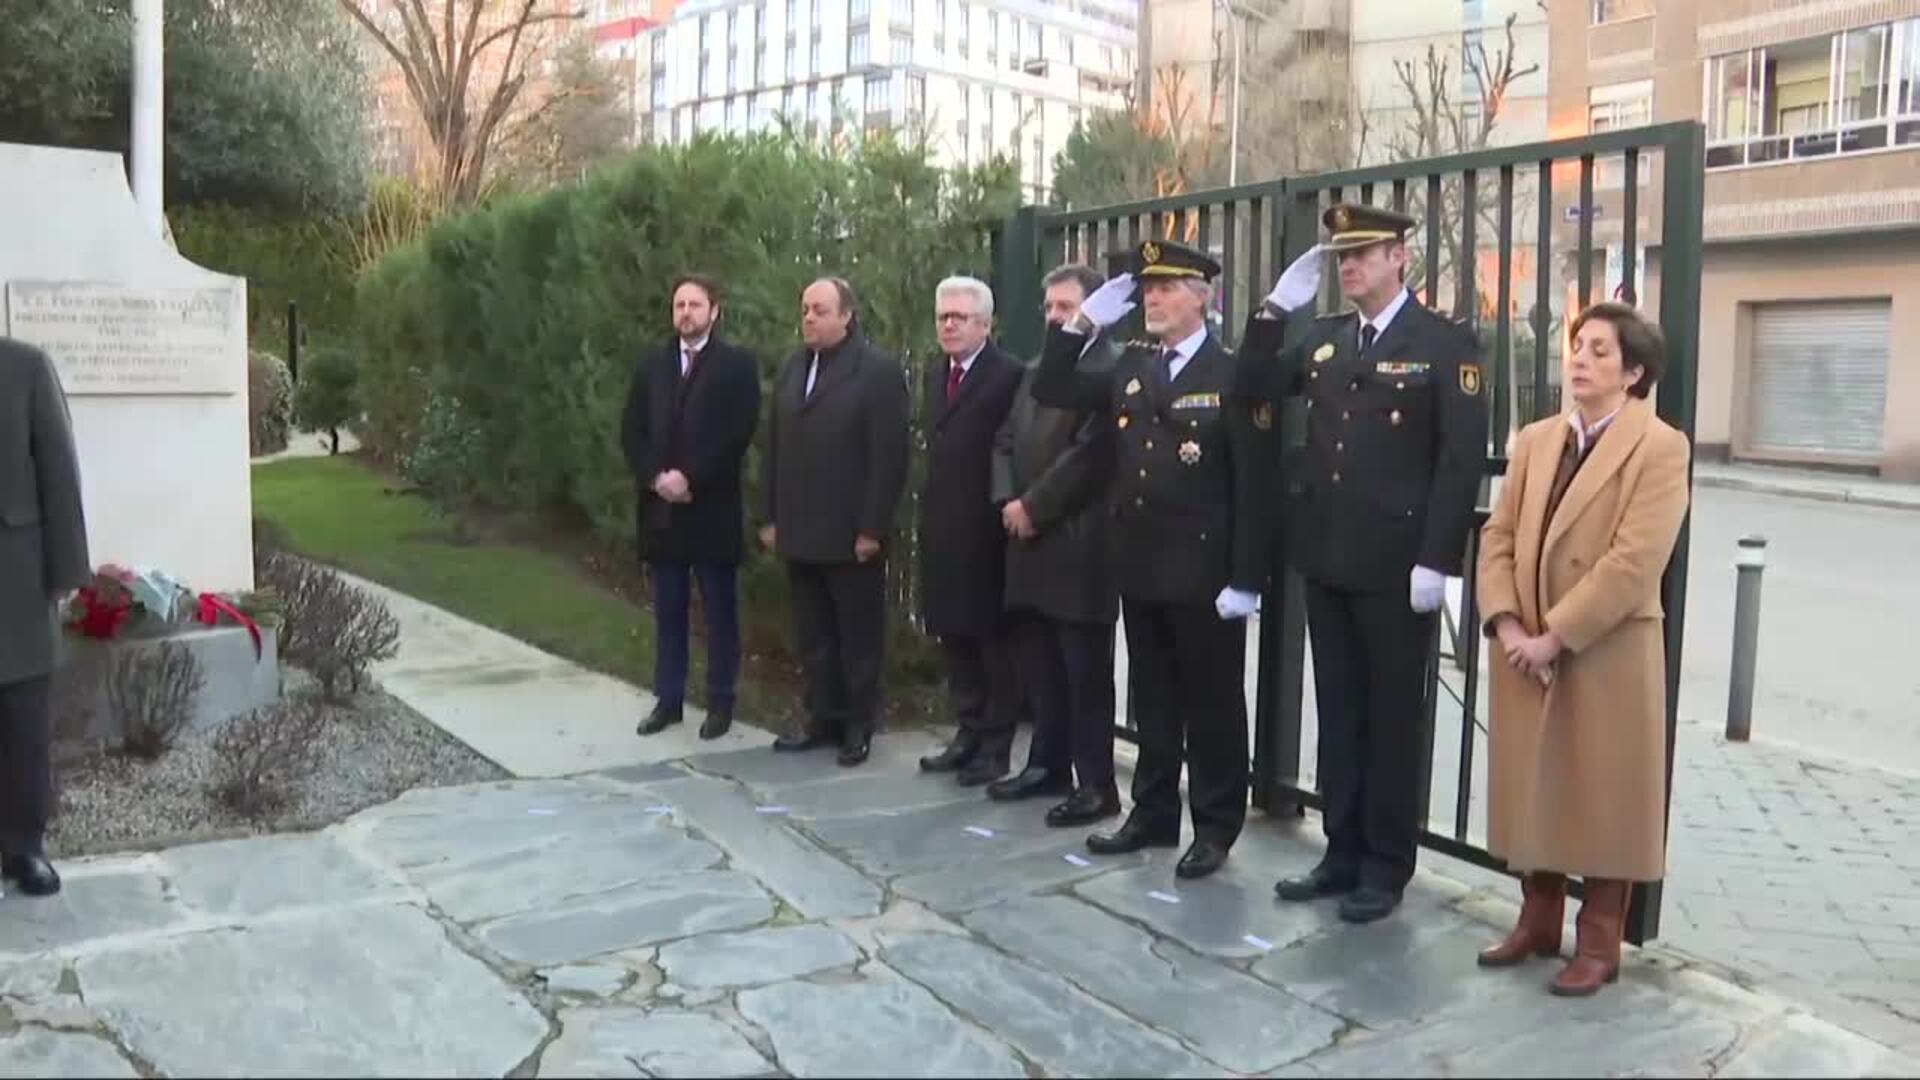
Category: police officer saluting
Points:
column 1189, row 564
column 1396, row 444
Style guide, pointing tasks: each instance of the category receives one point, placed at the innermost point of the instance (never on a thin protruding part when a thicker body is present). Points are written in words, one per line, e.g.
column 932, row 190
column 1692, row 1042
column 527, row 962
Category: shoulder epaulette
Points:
column 1333, row 315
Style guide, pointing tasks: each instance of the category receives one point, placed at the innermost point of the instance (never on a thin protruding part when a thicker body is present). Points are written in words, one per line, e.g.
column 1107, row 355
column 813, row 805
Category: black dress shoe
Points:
column 660, row 719
column 801, row 740
column 1203, row 857
column 1368, row 904
column 1084, row 807
column 33, row 873
column 717, row 723
column 1032, row 782
column 855, row 748
column 984, row 768
column 1319, row 882
column 966, row 743
column 1132, row 836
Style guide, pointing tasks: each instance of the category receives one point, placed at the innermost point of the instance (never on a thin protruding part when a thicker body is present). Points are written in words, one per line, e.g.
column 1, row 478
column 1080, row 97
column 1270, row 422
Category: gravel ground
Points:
column 372, row 751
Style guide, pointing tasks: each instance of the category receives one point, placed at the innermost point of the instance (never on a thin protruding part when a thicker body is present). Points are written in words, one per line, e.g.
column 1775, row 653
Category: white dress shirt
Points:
column 1185, row 352
column 1384, row 319
column 1584, row 435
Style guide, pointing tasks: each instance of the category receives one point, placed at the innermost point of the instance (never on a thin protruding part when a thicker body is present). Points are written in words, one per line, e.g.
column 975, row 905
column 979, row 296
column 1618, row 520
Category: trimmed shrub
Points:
column 269, row 403
column 326, row 399
column 258, row 755
column 334, row 630
column 151, row 692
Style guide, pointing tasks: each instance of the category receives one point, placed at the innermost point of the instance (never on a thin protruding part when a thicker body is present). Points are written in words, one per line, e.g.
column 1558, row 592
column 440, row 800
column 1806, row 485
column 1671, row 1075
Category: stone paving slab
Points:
column 1045, row 1017
column 1236, row 1021
column 344, row 993
column 756, row 957
column 894, row 753
column 246, row 878
column 814, row 882
column 36, row 1052
column 876, row 1026
column 633, row 1042
column 938, row 837
column 643, row 913
column 974, row 884
column 90, row 907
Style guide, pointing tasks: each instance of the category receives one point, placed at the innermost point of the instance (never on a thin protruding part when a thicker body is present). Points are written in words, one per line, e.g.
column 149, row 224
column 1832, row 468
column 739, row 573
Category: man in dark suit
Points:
column 690, row 416
column 1051, row 472
column 1188, row 544
column 836, row 466
column 1396, row 445
column 43, row 555
column 962, row 550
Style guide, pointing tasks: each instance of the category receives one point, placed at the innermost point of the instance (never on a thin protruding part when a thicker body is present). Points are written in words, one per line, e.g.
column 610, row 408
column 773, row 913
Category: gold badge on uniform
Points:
column 1150, row 251
column 1189, row 453
column 1324, row 353
column 1263, row 417
column 1133, row 387
column 1470, row 379
column 1124, row 421
column 1342, row 219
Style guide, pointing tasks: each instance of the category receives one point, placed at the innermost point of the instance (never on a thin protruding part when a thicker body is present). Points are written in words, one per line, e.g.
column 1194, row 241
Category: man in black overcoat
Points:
column 1052, row 468
column 836, row 464
column 967, row 392
column 690, row 417
column 43, row 556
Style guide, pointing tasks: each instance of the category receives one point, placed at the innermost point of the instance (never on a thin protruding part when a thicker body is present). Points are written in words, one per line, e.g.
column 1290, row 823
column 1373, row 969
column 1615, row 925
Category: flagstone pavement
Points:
column 738, row 912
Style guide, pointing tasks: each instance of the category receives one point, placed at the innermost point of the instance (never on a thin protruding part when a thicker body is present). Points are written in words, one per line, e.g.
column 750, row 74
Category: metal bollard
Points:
column 1751, row 562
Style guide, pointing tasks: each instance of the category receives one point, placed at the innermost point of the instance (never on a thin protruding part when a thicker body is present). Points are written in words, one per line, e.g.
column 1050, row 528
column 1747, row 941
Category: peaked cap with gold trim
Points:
column 1356, row 225
column 1167, row 259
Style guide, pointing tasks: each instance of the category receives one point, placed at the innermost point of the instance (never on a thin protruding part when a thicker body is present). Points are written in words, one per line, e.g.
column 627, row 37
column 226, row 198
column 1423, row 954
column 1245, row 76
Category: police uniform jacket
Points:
column 1184, row 457
column 1396, row 441
column 43, row 531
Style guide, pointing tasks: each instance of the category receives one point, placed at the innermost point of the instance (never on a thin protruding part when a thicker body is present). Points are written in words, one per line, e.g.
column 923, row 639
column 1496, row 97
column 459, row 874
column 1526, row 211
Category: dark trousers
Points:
column 672, row 603
column 26, row 771
column 840, row 628
column 1370, row 666
column 983, row 688
column 1066, row 671
column 1188, row 673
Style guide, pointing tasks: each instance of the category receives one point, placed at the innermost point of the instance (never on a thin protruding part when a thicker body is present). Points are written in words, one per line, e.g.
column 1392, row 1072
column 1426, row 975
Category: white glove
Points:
column 1235, row 603
column 1428, row 589
column 1300, row 285
column 1110, row 302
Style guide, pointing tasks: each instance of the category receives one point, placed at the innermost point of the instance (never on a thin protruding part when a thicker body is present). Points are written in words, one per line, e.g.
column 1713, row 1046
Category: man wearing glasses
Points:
column 963, row 546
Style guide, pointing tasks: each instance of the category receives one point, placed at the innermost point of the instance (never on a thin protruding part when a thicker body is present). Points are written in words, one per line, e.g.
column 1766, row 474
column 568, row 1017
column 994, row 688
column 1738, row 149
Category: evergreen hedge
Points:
column 499, row 347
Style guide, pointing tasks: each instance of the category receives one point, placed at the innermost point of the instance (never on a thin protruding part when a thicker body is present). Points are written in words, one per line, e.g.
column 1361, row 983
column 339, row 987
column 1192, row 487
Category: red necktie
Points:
column 954, row 374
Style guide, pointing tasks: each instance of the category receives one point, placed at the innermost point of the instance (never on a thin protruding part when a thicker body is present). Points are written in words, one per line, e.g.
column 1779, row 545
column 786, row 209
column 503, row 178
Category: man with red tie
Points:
column 969, row 389
column 690, row 416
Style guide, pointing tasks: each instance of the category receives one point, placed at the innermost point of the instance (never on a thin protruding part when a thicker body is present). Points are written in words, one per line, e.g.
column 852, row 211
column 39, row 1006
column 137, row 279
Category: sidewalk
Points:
column 683, row 909
column 1809, row 484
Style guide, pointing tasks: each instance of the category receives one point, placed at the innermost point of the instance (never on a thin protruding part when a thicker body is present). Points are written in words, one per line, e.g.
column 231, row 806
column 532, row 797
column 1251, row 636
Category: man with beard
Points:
column 836, row 465
column 1188, row 544
column 690, row 416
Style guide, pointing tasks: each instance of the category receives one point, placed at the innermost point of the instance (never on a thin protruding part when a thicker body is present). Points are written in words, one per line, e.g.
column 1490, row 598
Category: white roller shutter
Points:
column 1818, row 380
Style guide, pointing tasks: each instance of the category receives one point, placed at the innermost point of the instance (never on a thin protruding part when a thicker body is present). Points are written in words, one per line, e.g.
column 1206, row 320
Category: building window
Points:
column 1616, row 107
column 706, row 76
column 793, row 62
column 659, row 86
column 877, row 88
column 901, row 47
column 993, row 37
column 966, row 16
column 916, row 96
column 706, row 34
column 1035, row 46
column 1836, row 94
column 1606, row 11
column 733, row 72
column 659, row 47
column 859, row 11
column 858, row 47
column 760, row 63
column 786, row 103
column 1039, row 171
column 793, row 15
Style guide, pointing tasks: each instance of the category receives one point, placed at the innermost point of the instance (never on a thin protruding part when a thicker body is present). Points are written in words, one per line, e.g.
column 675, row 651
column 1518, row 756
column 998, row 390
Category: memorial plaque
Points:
column 115, row 339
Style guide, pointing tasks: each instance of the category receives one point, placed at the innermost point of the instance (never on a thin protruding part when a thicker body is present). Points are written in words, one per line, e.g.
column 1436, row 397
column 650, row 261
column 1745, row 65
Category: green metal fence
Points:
column 1512, row 240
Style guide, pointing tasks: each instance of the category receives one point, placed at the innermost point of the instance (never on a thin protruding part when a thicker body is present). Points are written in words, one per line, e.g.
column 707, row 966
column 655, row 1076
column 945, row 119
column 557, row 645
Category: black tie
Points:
column 1367, row 334
column 1167, row 357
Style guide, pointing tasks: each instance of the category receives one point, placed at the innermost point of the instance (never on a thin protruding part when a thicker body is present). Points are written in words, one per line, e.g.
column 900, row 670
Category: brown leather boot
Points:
column 1543, row 911
column 1601, row 925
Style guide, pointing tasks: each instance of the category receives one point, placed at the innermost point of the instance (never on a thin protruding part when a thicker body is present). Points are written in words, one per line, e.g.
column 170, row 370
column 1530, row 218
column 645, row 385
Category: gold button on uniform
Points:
column 1143, row 474
column 1395, row 417
column 1339, row 448
column 1138, row 501
column 1336, row 478
column 1346, row 416
column 1149, row 444
column 1399, row 386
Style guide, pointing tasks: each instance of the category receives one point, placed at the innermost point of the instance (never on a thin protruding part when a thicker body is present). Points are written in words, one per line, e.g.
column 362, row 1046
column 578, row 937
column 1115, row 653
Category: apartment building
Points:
column 979, row 76
column 1810, row 299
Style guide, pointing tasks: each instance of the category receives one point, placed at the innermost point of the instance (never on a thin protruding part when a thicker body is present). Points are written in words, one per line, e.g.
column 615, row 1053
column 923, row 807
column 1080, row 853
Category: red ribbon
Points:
column 100, row 618
column 213, row 606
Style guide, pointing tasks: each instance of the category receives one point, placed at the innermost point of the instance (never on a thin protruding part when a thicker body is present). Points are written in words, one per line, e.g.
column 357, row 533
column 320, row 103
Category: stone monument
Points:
column 152, row 352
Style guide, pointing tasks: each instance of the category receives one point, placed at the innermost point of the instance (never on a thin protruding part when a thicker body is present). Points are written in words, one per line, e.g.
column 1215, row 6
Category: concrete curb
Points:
column 1792, row 490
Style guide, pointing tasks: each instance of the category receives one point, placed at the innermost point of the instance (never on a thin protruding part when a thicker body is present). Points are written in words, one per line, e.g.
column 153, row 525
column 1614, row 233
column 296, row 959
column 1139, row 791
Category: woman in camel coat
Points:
column 1570, row 568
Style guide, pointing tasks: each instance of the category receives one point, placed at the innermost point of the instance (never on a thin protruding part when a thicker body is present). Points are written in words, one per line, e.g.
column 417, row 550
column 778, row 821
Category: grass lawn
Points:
column 343, row 512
